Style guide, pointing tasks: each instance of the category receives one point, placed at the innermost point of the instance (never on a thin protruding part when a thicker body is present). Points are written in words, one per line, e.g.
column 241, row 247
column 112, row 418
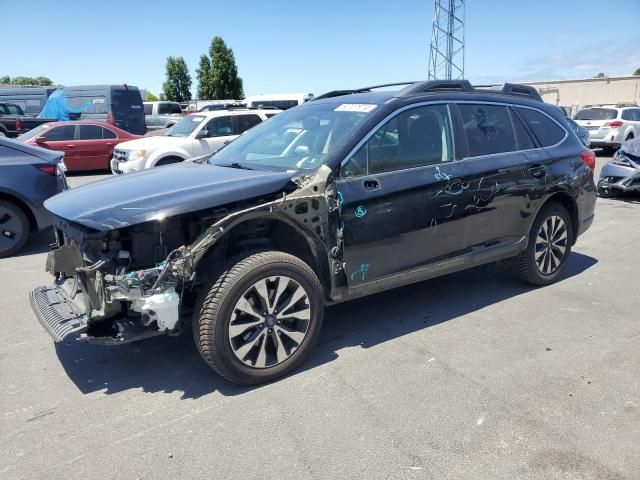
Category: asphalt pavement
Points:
column 469, row 376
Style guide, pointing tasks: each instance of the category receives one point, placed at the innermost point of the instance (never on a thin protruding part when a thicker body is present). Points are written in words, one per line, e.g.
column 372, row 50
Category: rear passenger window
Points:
column 488, row 128
column 524, row 140
column 245, row 122
column 546, row 130
column 90, row 132
column 106, row 133
column 417, row 137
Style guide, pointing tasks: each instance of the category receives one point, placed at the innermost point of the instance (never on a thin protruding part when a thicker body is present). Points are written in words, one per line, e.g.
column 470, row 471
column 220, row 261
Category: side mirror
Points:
column 204, row 133
column 41, row 140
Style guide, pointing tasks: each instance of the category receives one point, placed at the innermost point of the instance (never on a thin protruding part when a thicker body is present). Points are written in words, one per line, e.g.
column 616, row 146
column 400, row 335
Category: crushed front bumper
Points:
column 57, row 313
column 619, row 177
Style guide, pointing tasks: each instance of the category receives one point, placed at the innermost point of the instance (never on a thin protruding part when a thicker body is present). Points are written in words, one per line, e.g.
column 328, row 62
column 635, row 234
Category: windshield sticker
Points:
column 355, row 107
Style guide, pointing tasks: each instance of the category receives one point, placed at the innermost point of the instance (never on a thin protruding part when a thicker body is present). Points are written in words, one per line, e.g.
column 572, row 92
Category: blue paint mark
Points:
column 360, row 211
column 441, row 175
column 340, row 199
column 364, row 268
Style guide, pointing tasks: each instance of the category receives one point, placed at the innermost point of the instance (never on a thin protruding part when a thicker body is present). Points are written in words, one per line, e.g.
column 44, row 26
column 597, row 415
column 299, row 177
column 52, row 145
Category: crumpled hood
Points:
column 632, row 147
column 162, row 192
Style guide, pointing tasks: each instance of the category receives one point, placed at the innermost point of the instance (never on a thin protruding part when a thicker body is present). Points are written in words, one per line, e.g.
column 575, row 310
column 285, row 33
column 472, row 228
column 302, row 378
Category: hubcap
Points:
column 269, row 322
column 551, row 244
column 10, row 229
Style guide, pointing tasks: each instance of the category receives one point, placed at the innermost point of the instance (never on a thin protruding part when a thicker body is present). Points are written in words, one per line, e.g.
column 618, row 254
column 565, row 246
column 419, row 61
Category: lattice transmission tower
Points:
column 446, row 56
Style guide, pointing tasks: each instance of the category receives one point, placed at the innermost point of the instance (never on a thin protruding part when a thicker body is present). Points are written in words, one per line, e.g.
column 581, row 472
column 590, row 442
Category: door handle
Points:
column 371, row 184
column 538, row 170
column 109, row 144
column 70, row 146
column 456, row 186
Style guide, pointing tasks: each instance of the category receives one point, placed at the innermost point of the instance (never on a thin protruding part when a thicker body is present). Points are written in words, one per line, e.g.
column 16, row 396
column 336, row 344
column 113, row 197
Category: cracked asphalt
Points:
column 469, row 376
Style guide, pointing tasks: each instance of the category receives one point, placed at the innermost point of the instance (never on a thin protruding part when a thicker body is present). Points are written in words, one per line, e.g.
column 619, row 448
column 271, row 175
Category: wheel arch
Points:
column 569, row 203
column 153, row 161
column 267, row 230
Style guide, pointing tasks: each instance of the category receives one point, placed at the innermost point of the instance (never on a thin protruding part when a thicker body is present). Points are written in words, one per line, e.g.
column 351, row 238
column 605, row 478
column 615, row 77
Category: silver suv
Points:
column 610, row 126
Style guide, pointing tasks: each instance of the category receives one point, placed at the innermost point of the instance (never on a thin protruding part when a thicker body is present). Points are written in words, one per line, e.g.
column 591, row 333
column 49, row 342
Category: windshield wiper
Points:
column 234, row 165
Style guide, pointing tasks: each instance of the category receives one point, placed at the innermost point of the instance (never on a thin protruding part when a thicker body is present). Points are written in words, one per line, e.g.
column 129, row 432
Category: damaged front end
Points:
column 138, row 281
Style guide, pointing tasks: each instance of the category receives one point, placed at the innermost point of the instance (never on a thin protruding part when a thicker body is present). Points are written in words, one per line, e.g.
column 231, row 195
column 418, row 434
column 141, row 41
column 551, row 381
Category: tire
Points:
column 527, row 264
column 168, row 161
column 251, row 348
column 14, row 229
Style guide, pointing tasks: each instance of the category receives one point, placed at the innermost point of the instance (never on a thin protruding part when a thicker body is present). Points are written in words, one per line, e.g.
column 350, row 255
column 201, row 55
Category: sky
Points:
column 313, row 47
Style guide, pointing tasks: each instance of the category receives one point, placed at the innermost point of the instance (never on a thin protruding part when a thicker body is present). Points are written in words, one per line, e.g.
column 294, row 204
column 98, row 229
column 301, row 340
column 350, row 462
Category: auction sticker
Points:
column 355, row 107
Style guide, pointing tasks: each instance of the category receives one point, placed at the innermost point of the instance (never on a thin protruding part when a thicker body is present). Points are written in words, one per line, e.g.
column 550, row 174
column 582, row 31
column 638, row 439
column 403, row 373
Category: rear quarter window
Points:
column 546, row 130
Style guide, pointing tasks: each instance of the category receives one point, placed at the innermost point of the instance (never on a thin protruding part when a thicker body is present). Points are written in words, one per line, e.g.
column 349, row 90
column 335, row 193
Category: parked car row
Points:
column 609, row 126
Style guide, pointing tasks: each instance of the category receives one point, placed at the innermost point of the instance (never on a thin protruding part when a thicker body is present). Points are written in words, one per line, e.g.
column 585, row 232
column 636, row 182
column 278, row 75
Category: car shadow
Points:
column 172, row 364
column 38, row 243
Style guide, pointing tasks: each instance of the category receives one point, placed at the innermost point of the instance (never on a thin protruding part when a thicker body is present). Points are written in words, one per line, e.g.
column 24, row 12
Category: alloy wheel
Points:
column 11, row 229
column 551, row 244
column 269, row 321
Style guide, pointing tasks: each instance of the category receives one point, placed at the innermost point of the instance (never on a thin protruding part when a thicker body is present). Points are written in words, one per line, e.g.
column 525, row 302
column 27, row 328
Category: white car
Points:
column 610, row 126
column 195, row 135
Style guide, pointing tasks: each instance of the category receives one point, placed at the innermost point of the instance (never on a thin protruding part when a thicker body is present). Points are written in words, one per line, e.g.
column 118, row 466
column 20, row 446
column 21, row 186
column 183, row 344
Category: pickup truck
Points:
column 161, row 114
column 14, row 122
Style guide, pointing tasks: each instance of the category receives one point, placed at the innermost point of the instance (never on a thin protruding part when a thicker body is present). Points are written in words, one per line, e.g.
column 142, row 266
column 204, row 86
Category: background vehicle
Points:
column 581, row 132
column 117, row 105
column 86, row 145
column 197, row 105
column 13, row 122
column 247, row 248
column 622, row 173
column 282, row 101
column 30, row 99
column 28, row 176
column 610, row 125
column 161, row 114
column 211, row 107
column 195, row 135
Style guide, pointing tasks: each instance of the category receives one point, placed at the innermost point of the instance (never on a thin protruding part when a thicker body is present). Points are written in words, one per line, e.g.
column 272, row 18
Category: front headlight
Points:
column 619, row 158
column 136, row 155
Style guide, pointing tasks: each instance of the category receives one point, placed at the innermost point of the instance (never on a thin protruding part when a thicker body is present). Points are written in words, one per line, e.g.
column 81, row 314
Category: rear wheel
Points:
column 260, row 318
column 14, row 229
column 549, row 246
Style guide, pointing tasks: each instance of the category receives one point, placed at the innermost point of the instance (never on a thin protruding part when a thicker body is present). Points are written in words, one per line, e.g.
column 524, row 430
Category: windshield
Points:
column 298, row 139
column 596, row 114
column 33, row 132
column 185, row 127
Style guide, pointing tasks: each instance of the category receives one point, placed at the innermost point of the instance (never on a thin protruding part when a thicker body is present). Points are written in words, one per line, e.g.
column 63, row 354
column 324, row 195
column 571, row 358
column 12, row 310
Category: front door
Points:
column 62, row 139
column 219, row 130
column 397, row 195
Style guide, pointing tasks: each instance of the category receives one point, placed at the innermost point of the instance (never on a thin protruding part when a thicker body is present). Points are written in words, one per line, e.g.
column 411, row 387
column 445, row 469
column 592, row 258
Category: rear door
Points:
column 62, row 139
column 397, row 210
column 127, row 110
column 504, row 174
column 92, row 148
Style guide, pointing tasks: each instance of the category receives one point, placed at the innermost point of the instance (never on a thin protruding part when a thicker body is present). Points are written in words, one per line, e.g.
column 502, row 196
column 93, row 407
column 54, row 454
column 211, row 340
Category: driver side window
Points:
column 219, row 127
column 416, row 137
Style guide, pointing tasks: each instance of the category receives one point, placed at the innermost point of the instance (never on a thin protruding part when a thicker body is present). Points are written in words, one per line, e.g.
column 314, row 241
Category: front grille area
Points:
column 121, row 155
column 56, row 313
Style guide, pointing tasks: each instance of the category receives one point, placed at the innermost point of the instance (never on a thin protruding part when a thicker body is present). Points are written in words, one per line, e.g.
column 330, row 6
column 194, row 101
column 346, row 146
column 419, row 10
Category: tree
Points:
column 40, row 81
column 205, row 90
column 151, row 97
column 178, row 84
column 637, row 72
column 218, row 74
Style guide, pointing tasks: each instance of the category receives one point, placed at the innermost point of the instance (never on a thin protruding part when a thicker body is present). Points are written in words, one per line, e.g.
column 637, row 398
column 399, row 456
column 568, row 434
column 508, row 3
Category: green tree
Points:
column 177, row 87
column 637, row 72
column 5, row 80
column 42, row 81
column 151, row 97
column 205, row 90
column 218, row 73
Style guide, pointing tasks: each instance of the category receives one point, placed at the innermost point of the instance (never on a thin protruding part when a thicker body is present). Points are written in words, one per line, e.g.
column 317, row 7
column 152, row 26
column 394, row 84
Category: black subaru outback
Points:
column 347, row 195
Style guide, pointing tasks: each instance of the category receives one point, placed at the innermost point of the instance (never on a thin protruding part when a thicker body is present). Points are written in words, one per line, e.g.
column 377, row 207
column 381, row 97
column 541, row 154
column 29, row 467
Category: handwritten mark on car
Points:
column 441, row 175
column 364, row 268
column 360, row 211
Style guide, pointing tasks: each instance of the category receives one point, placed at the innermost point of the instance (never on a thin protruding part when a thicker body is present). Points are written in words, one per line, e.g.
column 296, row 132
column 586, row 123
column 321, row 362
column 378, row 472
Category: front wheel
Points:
column 548, row 248
column 14, row 229
column 260, row 318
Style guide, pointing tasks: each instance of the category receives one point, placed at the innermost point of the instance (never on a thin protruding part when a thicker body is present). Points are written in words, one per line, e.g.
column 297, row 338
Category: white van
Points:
column 283, row 101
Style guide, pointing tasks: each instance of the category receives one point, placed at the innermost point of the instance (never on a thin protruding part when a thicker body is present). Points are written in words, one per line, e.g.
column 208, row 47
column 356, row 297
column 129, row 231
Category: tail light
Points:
column 47, row 168
column 111, row 120
column 589, row 159
column 18, row 124
column 615, row 123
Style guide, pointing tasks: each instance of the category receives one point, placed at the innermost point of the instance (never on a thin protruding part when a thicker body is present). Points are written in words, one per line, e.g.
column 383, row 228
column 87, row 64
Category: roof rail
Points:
column 436, row 86
column 339, row 93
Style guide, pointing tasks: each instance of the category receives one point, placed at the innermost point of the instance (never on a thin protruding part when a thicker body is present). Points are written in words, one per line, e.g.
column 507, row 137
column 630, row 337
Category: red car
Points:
column 86, row 145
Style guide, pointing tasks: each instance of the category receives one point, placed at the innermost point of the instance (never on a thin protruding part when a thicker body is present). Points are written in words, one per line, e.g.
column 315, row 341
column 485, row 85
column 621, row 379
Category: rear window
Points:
column 169, row 108
column 488, row 128
column 546, row 130
column 596, row 114
column 125, row 101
